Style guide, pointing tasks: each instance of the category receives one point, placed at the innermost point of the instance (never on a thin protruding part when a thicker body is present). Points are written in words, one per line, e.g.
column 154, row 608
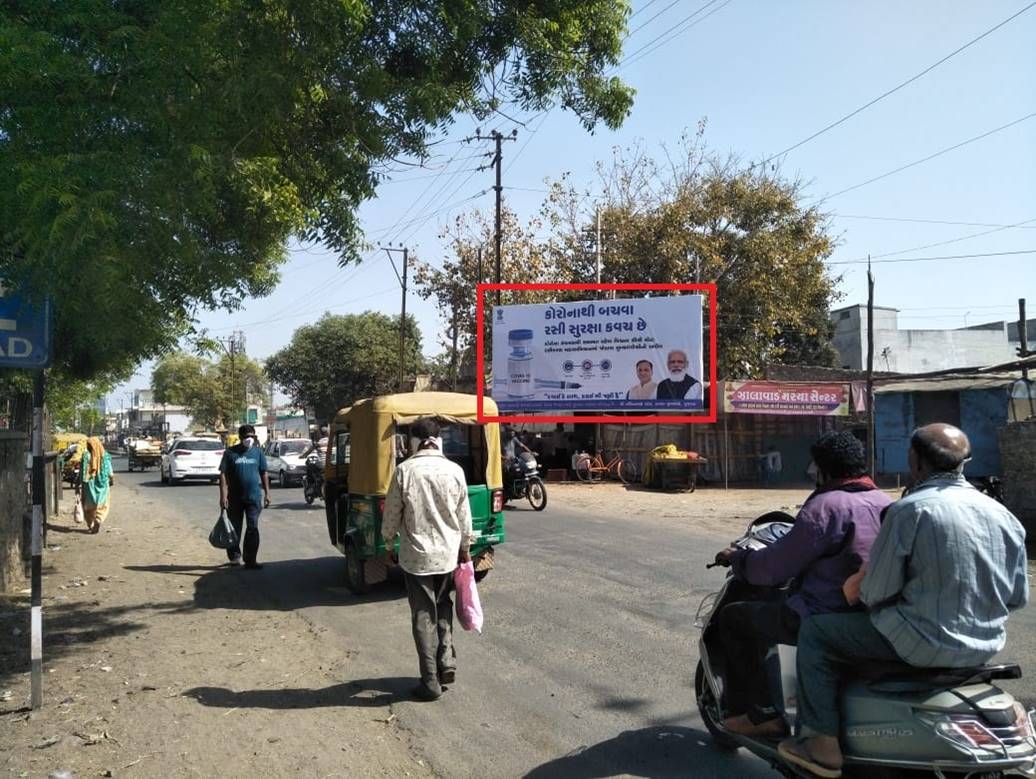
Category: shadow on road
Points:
column 178, row 485
column 362, row 693
column 68, row 529
column 657, row 752
column 281, row 585
column 70, row 627
column 300, row 505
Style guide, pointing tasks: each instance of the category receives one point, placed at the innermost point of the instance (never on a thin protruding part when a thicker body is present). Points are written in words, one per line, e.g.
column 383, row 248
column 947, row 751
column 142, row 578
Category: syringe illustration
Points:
column 551, row 384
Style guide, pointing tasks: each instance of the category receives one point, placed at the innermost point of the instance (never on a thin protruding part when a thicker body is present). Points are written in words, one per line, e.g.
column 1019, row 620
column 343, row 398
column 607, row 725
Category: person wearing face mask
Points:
column 244, row 491
column 679, row 384
column 427, row 507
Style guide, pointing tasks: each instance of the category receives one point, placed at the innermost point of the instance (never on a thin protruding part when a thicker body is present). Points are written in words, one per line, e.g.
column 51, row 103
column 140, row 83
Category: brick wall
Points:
column 1018, row 460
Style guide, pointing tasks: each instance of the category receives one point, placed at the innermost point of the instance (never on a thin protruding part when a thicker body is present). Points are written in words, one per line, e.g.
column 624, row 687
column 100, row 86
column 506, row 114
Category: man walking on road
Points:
column 427, row 505
column 244, row 491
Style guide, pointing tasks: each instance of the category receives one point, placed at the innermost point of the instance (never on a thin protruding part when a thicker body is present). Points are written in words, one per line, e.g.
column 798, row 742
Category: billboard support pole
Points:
column 726, row 454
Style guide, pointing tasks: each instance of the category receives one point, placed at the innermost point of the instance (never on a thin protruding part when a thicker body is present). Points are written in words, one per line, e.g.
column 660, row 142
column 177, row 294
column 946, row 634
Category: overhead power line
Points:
column 939, row 153
column 673, row 32
column 952, row 240
column 896, row 88
column 929, row 221
column 642, row 25
column 643, row 8
column 864, row 260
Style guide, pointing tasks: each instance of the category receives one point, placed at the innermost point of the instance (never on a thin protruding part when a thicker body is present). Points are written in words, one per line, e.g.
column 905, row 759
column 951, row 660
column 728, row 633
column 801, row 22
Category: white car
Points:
column 286, row 460
column 191, row 458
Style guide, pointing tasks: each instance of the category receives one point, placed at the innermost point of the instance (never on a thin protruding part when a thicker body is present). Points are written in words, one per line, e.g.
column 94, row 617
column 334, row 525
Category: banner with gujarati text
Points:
column 631, row 354
column 780, row 398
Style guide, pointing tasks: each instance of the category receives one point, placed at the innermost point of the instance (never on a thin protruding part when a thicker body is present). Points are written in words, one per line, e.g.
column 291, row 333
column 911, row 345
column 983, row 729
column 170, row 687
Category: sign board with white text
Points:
column 25, row 332
column 629, row 354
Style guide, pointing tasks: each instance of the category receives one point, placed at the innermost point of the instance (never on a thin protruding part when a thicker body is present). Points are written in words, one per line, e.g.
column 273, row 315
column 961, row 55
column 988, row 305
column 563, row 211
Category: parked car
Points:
column 191, row 458
column 286, row 460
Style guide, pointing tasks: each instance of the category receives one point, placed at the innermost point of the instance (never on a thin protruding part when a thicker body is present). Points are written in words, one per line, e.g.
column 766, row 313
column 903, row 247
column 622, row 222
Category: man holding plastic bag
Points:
column 427, row 506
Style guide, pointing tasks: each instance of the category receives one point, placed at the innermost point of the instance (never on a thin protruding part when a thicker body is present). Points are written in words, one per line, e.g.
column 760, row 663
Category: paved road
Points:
column 585, row 667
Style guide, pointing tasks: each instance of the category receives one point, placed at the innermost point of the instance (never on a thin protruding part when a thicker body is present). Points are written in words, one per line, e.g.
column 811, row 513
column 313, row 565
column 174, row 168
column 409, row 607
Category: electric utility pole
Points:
column 498, row 138
column 402, row 308
column 234, row 345
column 870, row 371
column 1023, row 337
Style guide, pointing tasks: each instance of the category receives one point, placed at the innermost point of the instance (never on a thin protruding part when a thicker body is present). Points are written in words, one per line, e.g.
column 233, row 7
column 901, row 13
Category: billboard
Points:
column 629, row 354
column 798, row 399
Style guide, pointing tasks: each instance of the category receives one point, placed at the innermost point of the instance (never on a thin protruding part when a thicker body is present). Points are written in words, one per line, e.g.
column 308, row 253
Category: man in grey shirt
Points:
column 946, row 568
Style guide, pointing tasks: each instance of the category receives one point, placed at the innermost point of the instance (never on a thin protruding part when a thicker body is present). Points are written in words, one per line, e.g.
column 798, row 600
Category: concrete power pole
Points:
column 870, row 371
column 402, row 308
column 498, row 138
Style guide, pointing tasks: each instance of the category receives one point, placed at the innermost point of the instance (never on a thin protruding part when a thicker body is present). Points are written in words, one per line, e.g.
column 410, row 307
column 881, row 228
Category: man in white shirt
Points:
column 646, row 386
column 427, row 506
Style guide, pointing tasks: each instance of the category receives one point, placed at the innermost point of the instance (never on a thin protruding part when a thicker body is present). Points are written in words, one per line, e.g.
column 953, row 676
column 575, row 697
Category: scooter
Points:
column 523, row 481
column 313, row 479
column 938, row 721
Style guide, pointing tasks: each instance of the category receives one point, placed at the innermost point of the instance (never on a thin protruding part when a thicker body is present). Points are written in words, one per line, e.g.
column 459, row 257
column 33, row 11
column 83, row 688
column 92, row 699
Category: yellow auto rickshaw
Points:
column 70, row 464
column 368, row 439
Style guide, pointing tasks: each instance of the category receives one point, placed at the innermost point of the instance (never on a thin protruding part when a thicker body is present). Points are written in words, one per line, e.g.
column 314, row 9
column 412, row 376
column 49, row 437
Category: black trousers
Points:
column 747, row 630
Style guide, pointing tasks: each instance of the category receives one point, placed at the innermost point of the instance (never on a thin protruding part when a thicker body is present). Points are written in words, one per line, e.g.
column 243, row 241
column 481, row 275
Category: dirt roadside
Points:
column 125, row 646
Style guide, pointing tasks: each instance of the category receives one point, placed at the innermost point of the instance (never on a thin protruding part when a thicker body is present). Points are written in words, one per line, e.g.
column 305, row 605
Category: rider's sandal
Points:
column 797, row 753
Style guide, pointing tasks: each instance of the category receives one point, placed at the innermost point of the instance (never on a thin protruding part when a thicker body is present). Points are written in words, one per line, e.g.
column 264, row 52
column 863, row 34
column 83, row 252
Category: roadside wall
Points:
column 1018, row 455
column 979, row 413
column 14, row 551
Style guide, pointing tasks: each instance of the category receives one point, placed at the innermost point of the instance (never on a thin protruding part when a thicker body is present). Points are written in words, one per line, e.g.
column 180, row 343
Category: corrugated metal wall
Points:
column 982, row 413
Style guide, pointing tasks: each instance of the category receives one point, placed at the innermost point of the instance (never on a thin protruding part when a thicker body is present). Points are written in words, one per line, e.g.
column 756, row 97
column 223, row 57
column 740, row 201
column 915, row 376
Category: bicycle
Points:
column 594, row 468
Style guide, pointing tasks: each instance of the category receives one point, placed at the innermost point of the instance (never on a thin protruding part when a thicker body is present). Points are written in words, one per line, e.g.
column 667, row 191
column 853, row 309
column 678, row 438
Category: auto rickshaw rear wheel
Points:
column 355, row 573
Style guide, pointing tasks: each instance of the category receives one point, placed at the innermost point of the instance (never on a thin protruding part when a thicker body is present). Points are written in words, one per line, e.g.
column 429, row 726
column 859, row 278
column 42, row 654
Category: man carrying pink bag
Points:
column 427, row 506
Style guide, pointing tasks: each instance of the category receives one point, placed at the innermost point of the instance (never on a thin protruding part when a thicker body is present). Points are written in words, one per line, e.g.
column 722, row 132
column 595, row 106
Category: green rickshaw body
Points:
column 363, row 526
column 368, row 439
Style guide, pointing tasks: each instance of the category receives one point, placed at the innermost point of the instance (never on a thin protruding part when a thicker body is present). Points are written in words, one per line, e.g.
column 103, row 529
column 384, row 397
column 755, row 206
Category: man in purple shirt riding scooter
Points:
column 829, row 540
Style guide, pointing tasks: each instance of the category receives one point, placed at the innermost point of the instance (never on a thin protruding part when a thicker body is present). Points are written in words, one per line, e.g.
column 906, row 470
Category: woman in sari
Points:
column 97, row 481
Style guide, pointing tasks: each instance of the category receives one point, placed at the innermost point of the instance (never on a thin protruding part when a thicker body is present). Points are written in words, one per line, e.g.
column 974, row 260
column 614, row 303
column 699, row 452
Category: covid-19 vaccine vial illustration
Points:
column 520, row 383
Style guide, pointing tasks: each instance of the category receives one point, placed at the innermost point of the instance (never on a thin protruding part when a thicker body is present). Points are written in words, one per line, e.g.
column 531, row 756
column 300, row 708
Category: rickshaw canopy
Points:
column 372, row 426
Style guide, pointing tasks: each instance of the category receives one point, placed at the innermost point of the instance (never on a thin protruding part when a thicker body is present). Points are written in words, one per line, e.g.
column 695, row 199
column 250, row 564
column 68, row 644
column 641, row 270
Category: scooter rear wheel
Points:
column 708, row 707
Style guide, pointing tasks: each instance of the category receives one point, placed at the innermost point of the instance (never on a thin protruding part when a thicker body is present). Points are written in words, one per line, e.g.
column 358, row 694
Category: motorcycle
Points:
column 993, row 486
column 313, row 479
column 895, row 719
column 522, row 480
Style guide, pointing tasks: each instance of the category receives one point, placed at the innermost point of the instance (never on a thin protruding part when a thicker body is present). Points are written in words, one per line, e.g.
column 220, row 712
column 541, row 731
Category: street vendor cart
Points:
column 670, row 468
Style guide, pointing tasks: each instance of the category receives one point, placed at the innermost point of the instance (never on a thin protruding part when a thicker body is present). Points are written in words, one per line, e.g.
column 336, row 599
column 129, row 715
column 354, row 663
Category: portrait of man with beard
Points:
column 679, row 384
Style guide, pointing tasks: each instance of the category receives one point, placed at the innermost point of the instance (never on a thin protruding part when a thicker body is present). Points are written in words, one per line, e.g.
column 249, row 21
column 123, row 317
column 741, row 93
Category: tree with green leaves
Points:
column 340, row 359
column 213, row 393
column 696, row 218
column 155, row 157
column 452, row 283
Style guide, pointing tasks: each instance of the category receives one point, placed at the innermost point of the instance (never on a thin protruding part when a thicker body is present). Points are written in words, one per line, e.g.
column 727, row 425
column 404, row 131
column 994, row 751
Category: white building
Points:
column 918, row 351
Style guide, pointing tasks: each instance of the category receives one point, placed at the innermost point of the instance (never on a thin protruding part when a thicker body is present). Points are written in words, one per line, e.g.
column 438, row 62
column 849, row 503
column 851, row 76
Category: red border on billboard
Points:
column 690, row 419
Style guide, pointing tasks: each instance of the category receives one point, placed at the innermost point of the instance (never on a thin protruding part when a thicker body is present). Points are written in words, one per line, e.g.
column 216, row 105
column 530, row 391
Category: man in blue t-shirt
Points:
column 244, row 491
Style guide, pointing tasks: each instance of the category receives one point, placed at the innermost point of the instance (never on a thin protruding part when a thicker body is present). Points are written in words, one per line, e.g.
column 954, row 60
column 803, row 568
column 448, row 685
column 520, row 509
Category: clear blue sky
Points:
column 766, row 75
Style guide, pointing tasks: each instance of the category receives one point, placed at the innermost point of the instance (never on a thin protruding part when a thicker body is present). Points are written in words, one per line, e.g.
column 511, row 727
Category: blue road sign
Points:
column 25, row 332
